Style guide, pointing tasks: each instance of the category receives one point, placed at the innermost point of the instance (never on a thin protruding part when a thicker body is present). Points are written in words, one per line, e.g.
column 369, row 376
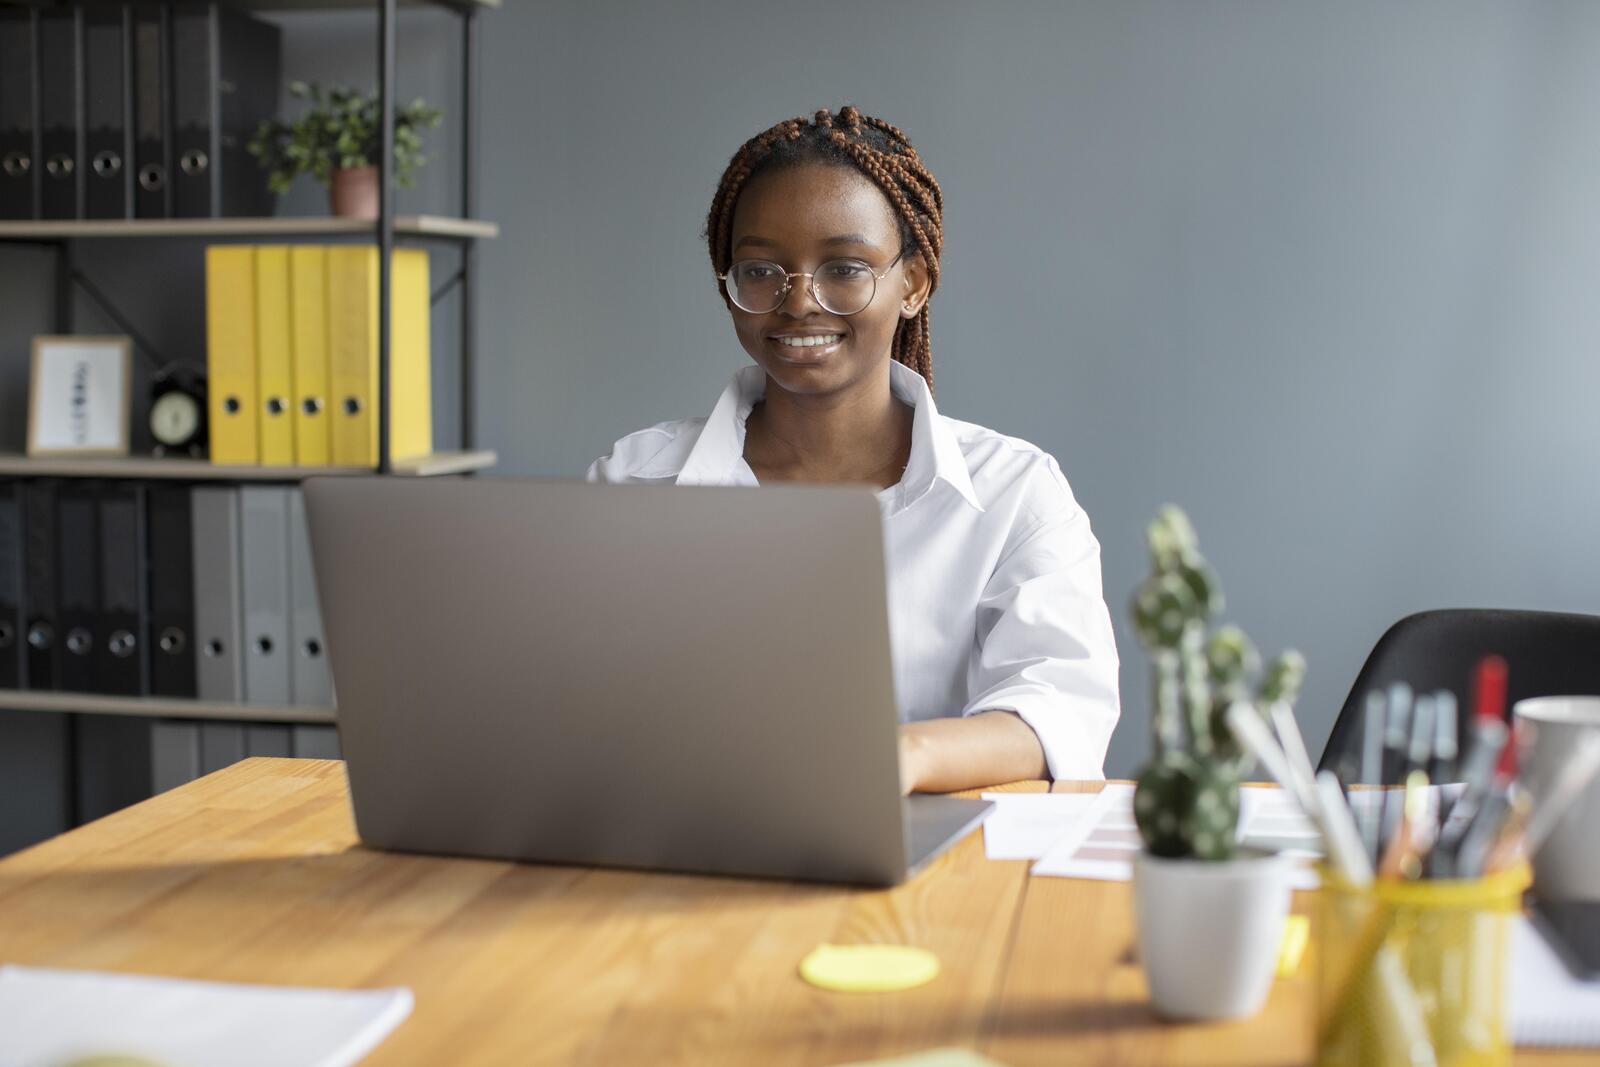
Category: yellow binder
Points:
column 353, row 355
column 274, row 369
column 231, row 353
column 410, row 363
column 308, row 301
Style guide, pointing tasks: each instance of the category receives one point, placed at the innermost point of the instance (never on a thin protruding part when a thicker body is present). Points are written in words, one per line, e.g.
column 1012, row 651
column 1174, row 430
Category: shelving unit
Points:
column 157, row 707
column 462, row 231
column 437, row 226
column 198, row 470
column 351, row 5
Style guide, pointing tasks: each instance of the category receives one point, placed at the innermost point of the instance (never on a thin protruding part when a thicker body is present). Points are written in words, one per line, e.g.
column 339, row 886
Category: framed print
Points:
column 79, row 398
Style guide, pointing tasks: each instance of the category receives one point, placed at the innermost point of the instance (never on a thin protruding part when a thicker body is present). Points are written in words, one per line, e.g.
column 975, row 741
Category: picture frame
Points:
column 80, row 395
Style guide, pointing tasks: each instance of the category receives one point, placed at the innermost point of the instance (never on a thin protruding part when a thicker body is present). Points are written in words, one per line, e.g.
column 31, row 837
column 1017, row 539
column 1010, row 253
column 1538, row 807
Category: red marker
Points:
column 1489, row 689
column 1487, row 772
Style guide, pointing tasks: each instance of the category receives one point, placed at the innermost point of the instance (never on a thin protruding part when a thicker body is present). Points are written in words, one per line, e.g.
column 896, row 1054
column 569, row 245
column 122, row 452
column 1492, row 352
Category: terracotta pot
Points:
column 354, row 193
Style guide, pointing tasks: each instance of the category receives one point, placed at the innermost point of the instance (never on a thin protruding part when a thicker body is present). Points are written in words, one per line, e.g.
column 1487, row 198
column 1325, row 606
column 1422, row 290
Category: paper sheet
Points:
column 1549, row 1007
column 1102, row 844
column 1023, row 826
column 51, row 1016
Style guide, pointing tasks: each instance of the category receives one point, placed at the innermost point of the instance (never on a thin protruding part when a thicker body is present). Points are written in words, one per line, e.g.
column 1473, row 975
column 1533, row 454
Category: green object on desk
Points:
column 1187, row 802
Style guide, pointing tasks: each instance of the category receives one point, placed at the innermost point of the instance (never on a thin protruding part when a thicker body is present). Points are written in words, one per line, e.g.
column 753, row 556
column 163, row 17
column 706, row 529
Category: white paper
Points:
column 1271, row 820
column 1549, row 1007
column 1102, row 845
column 1023, row 826
column 48, row 1017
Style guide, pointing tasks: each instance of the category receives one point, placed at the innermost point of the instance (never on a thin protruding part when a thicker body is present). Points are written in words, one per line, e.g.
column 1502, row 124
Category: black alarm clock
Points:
column 178, row 411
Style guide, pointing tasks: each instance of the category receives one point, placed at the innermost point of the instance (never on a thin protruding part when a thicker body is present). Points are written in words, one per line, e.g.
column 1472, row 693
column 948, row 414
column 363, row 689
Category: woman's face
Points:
column 799, row 218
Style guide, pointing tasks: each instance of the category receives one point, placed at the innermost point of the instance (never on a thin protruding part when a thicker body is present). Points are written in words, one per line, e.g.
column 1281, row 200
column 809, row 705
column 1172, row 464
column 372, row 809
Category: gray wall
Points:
column 1323, row 274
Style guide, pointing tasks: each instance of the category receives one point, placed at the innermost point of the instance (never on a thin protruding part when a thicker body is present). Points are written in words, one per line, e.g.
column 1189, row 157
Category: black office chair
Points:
column 1547, row 654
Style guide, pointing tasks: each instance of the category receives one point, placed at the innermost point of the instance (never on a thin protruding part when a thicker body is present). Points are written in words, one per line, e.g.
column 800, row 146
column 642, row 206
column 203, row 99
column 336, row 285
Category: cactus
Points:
column 1187, row 800
column 1187, row 808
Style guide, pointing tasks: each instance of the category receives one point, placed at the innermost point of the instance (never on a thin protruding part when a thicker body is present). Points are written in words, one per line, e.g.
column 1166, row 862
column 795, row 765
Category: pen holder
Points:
column 1413, row 972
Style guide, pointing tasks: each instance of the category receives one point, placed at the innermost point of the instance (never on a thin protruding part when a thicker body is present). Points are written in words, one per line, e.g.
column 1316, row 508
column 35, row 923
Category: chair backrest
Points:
column 1547, row 654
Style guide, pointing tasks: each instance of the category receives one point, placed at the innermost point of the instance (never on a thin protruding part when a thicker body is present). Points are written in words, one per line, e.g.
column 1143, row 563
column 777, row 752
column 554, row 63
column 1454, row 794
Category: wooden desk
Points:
column 254, row 874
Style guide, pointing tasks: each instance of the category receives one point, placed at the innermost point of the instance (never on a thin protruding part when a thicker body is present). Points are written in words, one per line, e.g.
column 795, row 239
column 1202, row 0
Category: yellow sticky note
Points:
column 1292, row 946
column 868, row 968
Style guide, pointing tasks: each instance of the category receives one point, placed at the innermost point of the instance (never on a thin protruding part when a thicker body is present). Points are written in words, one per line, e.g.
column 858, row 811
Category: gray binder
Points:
column 266, row 739
column 310, row 682
column 218, row 616
column 264, row 591
column 217, row 613
column 316, row 742
column 174, row 753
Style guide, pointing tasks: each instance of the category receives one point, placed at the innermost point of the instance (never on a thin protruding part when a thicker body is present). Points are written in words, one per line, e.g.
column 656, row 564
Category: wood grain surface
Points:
column 254, row 874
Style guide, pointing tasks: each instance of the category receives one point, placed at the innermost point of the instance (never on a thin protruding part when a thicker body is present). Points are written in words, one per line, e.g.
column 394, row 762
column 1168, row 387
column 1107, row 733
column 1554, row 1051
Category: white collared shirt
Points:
column 994, row 574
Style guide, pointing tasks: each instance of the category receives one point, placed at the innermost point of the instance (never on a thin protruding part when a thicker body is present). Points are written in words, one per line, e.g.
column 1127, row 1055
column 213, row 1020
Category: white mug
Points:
column 1567, row 865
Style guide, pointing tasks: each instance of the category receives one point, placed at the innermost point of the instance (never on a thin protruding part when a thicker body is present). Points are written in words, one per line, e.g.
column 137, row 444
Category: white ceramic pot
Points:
column 1567, row 865
column 1209, row 932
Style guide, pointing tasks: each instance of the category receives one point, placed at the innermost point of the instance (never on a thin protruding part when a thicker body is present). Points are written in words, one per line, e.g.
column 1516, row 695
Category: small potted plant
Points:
column 1210, row 914
column 336, row 140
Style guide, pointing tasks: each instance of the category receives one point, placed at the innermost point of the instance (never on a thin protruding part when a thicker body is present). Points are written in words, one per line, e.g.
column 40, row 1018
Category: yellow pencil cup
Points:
column 1414, row 972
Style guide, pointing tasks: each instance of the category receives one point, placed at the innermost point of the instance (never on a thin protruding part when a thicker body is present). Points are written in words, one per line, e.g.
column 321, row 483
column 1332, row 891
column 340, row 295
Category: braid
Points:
column 880, row 152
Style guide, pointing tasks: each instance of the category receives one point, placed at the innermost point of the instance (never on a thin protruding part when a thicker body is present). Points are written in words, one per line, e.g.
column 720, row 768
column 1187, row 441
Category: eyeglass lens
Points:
column 842, row 286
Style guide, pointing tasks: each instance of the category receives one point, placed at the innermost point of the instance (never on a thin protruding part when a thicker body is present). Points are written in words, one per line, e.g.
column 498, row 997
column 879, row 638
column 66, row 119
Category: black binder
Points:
column 19, row 140
column 120, row 644
column 225, row 73
column 11, row 644
column 171, row 532
column 39, row 596
column 78, row 578
column 107, row 111
column 60, row 113
column 151, row 82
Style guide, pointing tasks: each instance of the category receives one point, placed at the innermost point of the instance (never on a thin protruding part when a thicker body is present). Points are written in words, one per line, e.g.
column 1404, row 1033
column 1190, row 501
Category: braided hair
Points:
column 880, row 152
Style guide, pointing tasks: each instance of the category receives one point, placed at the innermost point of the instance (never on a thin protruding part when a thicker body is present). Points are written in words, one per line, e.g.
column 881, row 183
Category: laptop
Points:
column 669, row 678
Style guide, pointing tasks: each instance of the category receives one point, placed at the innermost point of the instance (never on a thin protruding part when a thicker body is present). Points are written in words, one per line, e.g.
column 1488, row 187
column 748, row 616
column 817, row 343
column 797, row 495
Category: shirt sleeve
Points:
column 616, row 466
column 634, row 455
column 1045, row 646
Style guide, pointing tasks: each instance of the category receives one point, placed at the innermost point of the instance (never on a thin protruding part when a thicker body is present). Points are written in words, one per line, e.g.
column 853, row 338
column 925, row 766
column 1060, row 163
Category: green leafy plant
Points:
column 338, row 130
column 1187, row 799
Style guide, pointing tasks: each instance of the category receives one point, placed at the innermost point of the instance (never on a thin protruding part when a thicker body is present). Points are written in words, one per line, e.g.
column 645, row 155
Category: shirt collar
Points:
column 718, row 453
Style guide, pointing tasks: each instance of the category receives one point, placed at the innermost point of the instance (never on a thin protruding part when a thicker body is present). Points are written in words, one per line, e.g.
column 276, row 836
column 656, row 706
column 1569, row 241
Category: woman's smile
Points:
column 804, row 346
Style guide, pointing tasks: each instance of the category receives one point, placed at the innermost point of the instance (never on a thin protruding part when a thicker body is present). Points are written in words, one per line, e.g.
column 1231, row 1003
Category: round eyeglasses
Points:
column 839, row 286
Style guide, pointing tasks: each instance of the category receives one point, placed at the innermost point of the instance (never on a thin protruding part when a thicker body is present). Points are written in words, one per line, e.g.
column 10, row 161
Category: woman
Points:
column 825, row 238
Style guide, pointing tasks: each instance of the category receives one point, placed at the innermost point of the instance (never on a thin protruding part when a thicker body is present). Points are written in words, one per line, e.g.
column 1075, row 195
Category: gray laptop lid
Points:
column 686, row 678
